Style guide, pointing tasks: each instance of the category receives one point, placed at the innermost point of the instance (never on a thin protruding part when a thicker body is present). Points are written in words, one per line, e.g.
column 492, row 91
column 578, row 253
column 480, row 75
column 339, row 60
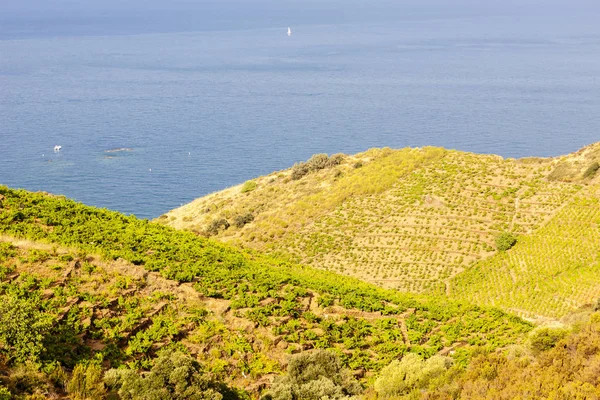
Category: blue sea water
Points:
column 203, row 101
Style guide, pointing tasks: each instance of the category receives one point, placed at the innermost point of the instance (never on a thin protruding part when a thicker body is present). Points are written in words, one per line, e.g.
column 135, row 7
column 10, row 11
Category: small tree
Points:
column 505, row 240
column 315, row 375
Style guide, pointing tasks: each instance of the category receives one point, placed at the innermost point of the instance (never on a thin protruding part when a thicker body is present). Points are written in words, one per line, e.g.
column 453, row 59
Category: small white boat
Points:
column 289, row 31
column 57, row 148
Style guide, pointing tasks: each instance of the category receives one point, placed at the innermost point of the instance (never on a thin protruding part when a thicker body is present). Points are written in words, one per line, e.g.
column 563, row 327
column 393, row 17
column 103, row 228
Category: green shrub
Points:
column 545, row 338
column 412, row 372
column 299, row 170
column 241, row 220
column 249, row 186
column 591, row 171
column 216, row 225
column 22, row 328
column 505, row 240
column 86, row 382
column 315, row 375
column 174, row 376
column 318, row 162
column 26, row 379
column 335, row 160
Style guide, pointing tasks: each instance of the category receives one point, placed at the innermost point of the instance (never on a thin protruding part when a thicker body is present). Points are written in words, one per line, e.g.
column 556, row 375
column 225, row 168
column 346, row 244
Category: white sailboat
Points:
column 289, row 31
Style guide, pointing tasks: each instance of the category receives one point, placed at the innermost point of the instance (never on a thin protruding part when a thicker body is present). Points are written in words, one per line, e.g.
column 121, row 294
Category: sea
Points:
column 158, row 103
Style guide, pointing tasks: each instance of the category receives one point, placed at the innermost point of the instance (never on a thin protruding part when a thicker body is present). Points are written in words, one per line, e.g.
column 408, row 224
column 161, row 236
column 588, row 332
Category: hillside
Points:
column 417, row 219
column 103, row 290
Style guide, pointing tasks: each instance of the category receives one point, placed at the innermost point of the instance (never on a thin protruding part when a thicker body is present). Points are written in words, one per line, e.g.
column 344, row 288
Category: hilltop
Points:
column 87, row 289
column 426, row 220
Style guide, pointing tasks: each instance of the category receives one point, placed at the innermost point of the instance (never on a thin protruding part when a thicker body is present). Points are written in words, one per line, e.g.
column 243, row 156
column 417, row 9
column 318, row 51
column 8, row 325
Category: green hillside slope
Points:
column 413, row 219
column 126, row 288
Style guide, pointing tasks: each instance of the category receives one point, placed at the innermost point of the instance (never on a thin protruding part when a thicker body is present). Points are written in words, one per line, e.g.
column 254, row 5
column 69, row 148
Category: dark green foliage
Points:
column 241, row 220
column 86, row 382
column 22, row 328
column 505, row 240
column 315, row 375
column 544, row 339
column 174, row 376
column 592, row 169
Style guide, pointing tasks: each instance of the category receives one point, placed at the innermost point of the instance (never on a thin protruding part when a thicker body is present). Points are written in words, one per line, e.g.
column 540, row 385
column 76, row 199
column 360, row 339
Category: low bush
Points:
column 591, row 171
column 299, row 170
column 174, row 375
column 241, row 220
column 543, row 339
column 315, row 375
column 249, row 186
column 505, row 240
column 318, row 161
column 216, row 225
column 411, row 373
column 335, row 159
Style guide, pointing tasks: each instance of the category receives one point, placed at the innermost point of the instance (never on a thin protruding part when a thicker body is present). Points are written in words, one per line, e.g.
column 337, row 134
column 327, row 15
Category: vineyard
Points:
column 551, row 272
column 120, row 289
column 410, row 219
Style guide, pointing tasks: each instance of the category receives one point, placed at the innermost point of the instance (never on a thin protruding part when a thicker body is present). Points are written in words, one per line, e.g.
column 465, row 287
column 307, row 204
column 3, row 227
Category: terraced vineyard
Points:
column 121, row 289
column 433, row 223
column 407, row 219
column 551, row 272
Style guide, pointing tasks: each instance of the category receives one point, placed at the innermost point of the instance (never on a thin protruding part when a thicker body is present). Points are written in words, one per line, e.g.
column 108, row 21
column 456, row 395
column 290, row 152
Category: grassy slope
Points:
column 257, row 308
column 411, row 219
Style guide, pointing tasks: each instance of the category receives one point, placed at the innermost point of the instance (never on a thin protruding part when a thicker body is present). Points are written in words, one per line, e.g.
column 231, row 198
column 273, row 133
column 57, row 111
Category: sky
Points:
column 25, row 18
